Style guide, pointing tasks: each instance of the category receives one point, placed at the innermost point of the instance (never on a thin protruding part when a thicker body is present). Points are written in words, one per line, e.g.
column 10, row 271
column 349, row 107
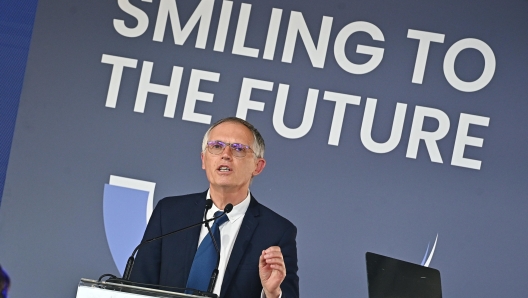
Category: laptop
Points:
column 392, row 278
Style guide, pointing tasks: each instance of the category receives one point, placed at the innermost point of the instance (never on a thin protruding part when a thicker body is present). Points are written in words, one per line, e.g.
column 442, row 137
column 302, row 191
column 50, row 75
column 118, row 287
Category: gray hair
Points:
column 258, row 142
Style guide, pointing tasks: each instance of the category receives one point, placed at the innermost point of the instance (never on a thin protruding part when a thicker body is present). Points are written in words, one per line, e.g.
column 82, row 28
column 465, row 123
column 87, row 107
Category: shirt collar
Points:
column 238, row 211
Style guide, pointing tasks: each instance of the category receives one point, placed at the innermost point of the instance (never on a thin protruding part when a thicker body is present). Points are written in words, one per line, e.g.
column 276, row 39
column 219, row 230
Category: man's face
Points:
column 225, row 171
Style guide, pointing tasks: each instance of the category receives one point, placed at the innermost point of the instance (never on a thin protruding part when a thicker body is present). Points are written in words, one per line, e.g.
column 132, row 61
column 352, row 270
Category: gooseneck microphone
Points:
column 130, row 262
column 212, row 280
column 214, row 275
column 209, row 205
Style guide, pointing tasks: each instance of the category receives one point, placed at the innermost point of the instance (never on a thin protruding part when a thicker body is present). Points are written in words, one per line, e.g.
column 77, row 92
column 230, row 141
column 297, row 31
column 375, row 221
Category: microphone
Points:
column 228, row 208
column 209, row 205
column 214, row 275
column 130, row 262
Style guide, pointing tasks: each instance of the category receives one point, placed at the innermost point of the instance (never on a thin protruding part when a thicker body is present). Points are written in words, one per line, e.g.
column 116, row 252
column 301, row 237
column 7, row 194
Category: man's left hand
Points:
column 272, row 271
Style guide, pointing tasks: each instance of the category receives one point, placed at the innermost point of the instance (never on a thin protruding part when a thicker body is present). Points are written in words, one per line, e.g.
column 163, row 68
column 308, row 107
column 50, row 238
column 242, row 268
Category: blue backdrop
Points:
column 16, row 26
column 386, row 125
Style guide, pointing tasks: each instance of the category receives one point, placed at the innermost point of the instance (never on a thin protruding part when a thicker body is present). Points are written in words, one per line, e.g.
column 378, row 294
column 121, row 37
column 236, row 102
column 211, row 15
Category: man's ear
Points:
column 202, row 157
column 261, row 164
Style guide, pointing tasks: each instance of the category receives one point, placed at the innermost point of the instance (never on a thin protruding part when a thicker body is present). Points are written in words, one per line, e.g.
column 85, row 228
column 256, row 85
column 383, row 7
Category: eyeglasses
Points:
column 238, row 150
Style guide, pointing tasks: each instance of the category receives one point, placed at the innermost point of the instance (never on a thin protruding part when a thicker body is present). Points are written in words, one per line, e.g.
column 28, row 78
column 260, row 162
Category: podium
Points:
column 100, row 289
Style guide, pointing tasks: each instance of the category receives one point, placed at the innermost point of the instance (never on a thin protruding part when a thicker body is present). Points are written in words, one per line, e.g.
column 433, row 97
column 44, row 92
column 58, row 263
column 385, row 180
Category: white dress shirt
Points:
column 228, row 233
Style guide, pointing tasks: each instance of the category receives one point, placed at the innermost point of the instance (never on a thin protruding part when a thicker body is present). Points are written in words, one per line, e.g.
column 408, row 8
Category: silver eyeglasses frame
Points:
column 217, row 147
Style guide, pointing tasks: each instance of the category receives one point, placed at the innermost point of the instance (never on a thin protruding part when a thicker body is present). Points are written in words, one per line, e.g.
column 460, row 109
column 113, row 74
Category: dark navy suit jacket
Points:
column 168, row 261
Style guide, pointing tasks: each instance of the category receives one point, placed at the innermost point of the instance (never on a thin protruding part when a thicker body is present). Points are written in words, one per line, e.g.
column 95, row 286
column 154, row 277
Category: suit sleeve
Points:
column 288, row 245
column 148, row 260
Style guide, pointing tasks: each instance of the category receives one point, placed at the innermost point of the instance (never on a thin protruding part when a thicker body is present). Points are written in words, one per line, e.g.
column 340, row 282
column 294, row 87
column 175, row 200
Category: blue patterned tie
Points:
column 206, row 257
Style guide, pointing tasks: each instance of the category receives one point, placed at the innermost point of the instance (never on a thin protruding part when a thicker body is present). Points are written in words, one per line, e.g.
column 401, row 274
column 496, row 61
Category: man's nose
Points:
column 227, row 153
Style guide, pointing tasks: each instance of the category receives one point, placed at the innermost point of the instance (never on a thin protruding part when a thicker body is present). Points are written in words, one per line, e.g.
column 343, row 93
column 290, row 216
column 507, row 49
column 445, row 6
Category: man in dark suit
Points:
column 258, row 255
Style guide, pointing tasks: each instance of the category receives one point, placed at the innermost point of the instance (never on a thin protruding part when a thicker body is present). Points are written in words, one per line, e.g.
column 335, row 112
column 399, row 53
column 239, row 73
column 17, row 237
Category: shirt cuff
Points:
column 262, row 295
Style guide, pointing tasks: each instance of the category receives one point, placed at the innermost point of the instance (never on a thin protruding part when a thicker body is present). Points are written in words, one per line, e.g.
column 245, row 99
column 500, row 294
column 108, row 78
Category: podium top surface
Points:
column 89, row 288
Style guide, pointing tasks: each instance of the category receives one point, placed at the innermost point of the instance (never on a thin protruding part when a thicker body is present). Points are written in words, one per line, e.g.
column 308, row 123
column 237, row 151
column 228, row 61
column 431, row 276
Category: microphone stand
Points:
column 214, row 275
column 131, row 259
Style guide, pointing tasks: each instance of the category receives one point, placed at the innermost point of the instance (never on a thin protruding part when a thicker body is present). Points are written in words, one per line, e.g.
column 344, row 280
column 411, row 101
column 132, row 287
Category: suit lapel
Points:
column 249, row 223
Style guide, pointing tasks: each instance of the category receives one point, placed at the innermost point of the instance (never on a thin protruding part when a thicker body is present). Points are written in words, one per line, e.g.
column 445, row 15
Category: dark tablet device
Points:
column 392, row 278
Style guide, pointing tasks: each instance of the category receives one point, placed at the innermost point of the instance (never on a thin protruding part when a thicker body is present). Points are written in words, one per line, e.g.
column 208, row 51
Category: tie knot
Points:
column 219, row 221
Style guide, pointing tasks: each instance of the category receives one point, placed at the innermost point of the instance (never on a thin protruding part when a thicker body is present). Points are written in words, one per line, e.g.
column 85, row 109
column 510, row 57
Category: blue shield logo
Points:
column 127, row 206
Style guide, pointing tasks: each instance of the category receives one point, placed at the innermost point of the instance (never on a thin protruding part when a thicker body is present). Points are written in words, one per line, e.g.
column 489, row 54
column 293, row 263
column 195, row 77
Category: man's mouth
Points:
column 224, row 169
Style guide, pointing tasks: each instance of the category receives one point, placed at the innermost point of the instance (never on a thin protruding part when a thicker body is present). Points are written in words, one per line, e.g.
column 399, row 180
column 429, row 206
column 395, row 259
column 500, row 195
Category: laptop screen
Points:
column 392, row 278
